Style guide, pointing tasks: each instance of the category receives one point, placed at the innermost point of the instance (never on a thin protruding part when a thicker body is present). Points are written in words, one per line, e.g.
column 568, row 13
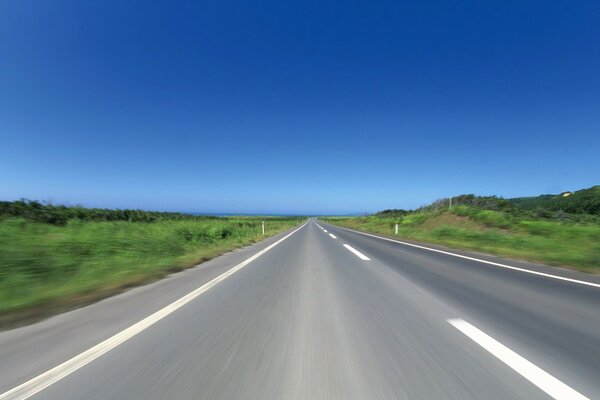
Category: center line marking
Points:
column 534, row 374
column 357, row 253
column 333, row 236
column 325, row 230
column 41, row 382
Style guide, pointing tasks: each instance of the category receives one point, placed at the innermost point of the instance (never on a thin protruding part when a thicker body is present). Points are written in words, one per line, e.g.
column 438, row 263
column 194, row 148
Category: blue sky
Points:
column 296, row 107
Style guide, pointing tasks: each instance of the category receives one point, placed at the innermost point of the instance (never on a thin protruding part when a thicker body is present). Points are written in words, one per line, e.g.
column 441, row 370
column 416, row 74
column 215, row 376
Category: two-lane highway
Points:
column 326, row 313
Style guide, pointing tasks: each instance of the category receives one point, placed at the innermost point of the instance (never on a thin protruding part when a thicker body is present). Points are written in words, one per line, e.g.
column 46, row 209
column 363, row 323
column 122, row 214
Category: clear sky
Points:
column 296, row 107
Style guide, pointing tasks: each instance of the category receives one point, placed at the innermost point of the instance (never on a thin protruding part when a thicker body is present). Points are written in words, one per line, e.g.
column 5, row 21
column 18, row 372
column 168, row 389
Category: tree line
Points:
column 59, row 214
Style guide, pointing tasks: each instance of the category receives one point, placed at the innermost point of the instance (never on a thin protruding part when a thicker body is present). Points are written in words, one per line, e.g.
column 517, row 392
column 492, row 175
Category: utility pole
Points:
column 450, row 206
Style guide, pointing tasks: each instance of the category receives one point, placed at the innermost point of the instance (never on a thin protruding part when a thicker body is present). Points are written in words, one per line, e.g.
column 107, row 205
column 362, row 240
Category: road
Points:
column 323, row 313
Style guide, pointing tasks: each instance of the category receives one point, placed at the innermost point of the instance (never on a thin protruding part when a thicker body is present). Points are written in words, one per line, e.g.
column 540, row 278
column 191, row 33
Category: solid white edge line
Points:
column 357, row 253
column 42, row 381
column 562, row 278
column 333, row 236
column 540, row 378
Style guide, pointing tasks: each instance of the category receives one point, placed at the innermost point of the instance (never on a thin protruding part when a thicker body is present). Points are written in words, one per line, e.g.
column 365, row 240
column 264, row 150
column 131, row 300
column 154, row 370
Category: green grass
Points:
column 567, row 244
column 44, row 265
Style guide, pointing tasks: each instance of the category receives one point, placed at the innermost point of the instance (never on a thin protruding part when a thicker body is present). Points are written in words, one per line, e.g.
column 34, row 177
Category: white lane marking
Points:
column 357, row 253
column 540, row 378
column 325, row 230
column 562, row 278
column 333, row 236
column 40, row 382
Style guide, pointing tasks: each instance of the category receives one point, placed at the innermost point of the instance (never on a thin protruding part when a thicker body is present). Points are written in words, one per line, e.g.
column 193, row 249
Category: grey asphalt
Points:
column 310, row 320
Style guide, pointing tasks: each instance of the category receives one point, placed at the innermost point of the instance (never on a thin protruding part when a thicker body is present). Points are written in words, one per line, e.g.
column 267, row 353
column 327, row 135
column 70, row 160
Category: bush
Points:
column 60, row 215
column 493, row 219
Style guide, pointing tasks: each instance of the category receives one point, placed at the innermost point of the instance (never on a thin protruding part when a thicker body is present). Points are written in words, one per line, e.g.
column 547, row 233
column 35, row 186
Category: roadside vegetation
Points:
column 55, row 257
column 561, row 230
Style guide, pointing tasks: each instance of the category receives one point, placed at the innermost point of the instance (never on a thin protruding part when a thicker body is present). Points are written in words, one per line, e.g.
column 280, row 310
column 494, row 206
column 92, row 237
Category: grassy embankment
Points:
column 567, row 240
column 46, row 266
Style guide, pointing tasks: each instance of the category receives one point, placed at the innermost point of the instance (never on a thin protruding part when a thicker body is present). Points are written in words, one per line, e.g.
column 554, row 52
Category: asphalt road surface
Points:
column 323, row 313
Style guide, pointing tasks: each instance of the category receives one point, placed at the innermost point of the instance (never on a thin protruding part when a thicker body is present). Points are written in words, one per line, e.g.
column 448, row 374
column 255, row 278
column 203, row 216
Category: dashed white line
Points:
column 40, row 382
column 325, row 230
column 357, row 253
column 562, row 278
column 333, row 236
column 549, row 384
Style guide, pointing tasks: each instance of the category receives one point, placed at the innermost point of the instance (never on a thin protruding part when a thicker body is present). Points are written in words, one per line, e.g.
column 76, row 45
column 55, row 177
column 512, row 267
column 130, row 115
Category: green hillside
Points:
column 552, row 229
column 585, row 201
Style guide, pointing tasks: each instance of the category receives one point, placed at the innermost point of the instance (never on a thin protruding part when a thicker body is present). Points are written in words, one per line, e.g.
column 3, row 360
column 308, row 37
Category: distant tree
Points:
column 60, row 215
